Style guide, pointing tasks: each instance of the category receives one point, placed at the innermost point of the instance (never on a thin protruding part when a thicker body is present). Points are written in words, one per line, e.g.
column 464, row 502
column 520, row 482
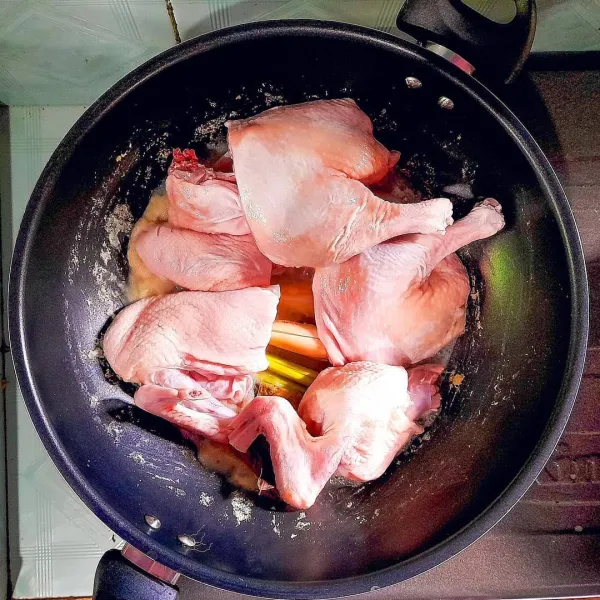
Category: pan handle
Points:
column 497, row 50
column 118, row 579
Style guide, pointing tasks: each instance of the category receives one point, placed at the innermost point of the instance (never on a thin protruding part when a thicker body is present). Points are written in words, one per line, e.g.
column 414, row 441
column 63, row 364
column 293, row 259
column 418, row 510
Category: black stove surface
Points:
column 549, row 545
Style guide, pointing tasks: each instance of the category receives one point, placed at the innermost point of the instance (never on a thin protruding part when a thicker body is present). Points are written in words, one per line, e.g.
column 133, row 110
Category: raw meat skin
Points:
column 142, row 281
column 404, row 300
column 199, row 404
column 218, row 333
column 205, row 416
column 203, row 199
column 202, row 261
column 302, row 172
column 352, row 421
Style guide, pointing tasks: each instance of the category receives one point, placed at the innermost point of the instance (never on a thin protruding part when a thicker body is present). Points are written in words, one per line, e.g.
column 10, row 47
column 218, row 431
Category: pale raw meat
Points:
column 302, row 173
column 353, row 421
column 142, row 281
column 219, row 333
column 203, row 199
column 401, row 301
column 200, row 404
column 193, row 352
column 203, row 261
column 204, row 415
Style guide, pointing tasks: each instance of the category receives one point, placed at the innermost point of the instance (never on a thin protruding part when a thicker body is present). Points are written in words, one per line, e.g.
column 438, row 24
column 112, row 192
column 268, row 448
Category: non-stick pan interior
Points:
column 513, row 356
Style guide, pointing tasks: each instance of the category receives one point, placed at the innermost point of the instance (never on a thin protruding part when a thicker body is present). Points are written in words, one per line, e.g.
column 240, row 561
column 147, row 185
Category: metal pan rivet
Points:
column 445, row 103
column 413, row 83
column 152, row 521
column 186, row 540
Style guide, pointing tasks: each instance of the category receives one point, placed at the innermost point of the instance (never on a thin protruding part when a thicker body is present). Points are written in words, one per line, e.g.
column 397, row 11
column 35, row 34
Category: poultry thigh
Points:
column 302, row 172
column 403, row 300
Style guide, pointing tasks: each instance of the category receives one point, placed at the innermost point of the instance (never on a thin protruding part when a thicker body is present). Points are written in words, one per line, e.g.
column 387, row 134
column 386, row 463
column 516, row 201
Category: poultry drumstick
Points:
column 302, row 172
column 403, row 300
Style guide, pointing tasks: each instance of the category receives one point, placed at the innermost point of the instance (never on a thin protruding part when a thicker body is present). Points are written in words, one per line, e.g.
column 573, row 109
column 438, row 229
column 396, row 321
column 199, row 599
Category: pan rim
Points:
column 445, row 549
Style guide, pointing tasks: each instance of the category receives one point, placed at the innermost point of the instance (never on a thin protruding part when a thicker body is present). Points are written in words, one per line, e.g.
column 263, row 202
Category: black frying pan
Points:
column 522, row 354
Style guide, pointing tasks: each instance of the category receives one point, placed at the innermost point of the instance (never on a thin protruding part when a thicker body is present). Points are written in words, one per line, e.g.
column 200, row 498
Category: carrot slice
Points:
column 296, row 302
column 299, row 338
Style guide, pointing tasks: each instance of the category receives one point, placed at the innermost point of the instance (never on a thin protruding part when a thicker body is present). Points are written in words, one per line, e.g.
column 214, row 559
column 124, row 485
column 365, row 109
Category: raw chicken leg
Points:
column 302, row 172
column 203, row 199
column 356, row 420
column 401, row 301
column 203, row 261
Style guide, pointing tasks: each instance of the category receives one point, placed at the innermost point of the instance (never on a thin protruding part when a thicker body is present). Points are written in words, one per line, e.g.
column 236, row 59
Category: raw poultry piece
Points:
column 203, row 261
column 196, row 411
column 401, row 301
column 353, row 421
column 142, row 281
column 203, row 199
column 223, row 333
column 192, row 353
column 302, row 172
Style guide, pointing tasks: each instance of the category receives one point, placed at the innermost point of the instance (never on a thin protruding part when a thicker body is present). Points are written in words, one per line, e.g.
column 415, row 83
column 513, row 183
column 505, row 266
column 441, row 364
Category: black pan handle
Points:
column 118, row 579
column 496, row 50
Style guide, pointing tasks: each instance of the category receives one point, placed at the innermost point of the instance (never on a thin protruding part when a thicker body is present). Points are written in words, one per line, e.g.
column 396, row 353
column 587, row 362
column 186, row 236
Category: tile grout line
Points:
column 173, row 20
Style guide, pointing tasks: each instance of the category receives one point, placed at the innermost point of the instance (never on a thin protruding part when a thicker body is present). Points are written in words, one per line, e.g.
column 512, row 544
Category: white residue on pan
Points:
column 115, row 430
column 462, row 190
column 241, row 507
column 205, row 499
column 178, row 491
column 73, row 264
column 118, row 223
column 214, row 128
column 95, row 354
column 301, row 524
column 272, row 99
column 275, row 524
column 94, row 401
column 140, row 459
